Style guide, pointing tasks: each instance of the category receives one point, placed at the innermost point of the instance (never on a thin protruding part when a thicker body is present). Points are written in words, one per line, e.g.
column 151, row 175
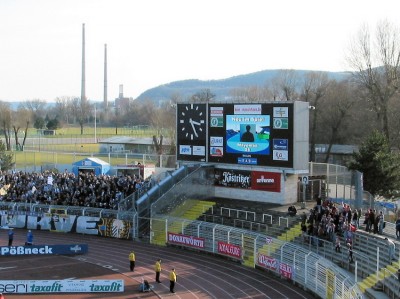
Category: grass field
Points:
column 74, row 149
column 29, row 159
column 100, row 131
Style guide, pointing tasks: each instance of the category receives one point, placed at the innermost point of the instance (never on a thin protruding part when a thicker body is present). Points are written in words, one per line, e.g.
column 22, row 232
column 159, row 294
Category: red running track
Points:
column 199, row 275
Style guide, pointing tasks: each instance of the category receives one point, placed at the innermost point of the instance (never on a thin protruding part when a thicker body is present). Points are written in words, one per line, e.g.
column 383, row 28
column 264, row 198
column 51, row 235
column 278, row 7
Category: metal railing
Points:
column 258, row 250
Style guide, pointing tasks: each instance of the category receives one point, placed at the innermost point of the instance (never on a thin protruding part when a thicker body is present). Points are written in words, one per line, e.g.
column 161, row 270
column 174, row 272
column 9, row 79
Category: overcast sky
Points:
column 154, row 42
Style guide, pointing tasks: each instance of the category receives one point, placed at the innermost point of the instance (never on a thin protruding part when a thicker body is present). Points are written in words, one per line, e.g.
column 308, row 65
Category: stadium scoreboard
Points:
column 260, row 134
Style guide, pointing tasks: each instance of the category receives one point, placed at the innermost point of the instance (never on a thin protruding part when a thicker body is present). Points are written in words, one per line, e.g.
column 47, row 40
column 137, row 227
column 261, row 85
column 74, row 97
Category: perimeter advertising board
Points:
column 61, row 286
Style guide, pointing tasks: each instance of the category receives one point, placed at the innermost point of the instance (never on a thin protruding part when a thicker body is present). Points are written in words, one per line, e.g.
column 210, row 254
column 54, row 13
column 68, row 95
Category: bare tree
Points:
column 81, row 110
column 314, row 89
column 36, row 106
column 376, row 65
column 5, row 119
column 337, row 107
column 285, row 85
column 21, row 121
column 63, row 108
column 394, row 120
column 252, row 94
column 203, row 96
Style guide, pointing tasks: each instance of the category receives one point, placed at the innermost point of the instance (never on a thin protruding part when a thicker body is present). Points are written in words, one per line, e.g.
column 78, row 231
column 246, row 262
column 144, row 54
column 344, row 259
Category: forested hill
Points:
column 221, row 88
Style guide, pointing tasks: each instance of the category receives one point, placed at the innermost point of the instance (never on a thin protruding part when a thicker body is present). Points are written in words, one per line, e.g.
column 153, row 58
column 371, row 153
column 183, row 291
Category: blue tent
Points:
column 95, row 165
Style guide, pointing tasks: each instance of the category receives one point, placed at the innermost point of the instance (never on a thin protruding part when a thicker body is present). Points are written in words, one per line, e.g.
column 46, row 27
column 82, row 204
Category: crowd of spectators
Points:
column 65, row 188
column 331, row 222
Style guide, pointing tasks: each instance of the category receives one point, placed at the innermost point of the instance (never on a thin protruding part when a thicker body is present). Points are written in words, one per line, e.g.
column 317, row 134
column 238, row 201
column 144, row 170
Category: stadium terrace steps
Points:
column 291, row 234
column 190, row 209
column 158, row 232
column 248, row 256
column 197, row 209
column 270, row 248
column 373, row 279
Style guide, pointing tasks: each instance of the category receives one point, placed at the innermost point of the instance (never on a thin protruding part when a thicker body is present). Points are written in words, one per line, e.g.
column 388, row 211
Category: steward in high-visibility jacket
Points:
column 172, row 280
column 157, row 268
column 132, row 260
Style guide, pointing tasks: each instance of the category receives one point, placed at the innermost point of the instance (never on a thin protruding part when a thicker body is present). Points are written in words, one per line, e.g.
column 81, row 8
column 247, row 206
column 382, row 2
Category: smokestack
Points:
column 121, row 91
column 105, row 103
column 83, row 90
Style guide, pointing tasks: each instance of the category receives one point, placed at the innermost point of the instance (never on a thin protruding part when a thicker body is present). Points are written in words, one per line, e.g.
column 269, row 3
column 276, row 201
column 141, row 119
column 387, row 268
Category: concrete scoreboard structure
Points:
column 256, row 148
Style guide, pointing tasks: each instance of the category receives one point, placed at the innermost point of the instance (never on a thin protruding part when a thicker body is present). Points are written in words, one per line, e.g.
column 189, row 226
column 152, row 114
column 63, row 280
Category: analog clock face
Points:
column 192, row 122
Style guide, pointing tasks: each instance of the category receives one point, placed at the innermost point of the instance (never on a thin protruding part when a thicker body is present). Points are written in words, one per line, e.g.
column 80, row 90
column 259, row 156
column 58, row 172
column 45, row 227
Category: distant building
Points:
column 339, row 154
column 124, row 144
column 121, row 103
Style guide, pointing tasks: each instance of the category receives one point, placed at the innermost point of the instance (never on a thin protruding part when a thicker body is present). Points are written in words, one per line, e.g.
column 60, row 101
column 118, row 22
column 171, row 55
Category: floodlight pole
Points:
column 95, row 124
column 303, row 203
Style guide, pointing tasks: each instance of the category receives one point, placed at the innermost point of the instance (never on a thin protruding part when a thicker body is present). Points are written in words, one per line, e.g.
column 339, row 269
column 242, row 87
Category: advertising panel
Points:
column 230, row 249
column 185, row 240
column 286, row 270
column 254, row 180
column 106, row 227
column 44, row 249
column 61, row 286
column 266, row 181
column 267, row 262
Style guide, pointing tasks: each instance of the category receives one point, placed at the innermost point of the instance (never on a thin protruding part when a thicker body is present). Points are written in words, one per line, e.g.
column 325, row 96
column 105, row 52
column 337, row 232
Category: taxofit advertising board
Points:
column 60, row 286
column 240, row 134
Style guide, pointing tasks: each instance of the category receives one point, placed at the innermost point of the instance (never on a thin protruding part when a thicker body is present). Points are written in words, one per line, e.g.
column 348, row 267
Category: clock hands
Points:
column 192, row 123
column 196, row 123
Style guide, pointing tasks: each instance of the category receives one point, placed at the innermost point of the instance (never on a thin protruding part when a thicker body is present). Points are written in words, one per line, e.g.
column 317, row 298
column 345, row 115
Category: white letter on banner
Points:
column 44, row 223
column 17, row 221
column 32, row 222
column 87, row 225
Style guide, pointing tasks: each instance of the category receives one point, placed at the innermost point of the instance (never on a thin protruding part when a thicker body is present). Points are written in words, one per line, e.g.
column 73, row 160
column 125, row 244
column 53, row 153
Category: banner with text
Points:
column 44, row 249
column 230, row 249
column 60, row 286
column 254, row 180
column 107, row 227
column 185, row 240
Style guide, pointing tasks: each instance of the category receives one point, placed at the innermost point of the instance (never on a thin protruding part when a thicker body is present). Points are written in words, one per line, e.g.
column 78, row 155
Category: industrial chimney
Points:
column 121, row 91
column 83, row 90
column 105, row 103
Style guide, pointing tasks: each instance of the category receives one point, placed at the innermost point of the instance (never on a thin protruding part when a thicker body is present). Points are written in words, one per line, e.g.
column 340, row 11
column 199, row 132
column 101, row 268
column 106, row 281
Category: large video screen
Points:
column 245, row 134
column 251, row 134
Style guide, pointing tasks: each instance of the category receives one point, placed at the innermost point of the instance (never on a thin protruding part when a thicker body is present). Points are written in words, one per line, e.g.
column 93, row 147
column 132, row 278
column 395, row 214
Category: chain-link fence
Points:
column 39, row 161
column 336, row 182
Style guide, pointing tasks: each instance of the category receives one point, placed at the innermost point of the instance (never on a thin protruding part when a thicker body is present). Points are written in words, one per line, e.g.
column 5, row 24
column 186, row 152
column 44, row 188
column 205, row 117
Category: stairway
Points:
column 291, row 234
column 190, row 209
column 269, row 248
column 373, row 279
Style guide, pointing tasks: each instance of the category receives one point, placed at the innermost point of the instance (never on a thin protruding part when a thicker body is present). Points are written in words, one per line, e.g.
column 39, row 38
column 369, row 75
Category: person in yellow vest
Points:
column 172, row 280
column 132, row 260
column 157, row 268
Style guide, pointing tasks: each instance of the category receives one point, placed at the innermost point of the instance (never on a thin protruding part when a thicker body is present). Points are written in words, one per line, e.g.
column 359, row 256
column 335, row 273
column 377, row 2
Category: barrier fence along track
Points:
column 285, row 259
column 254, row 250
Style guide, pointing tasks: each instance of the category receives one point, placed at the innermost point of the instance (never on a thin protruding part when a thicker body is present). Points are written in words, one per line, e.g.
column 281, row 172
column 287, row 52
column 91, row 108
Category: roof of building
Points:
column 97, row 160
column 343, row 149
column 131, row 140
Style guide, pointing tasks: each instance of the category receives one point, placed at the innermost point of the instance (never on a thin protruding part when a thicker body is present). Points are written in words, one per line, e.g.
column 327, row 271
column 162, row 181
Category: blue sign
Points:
column 44, row 250
column 280, row 144
column 248, row 161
